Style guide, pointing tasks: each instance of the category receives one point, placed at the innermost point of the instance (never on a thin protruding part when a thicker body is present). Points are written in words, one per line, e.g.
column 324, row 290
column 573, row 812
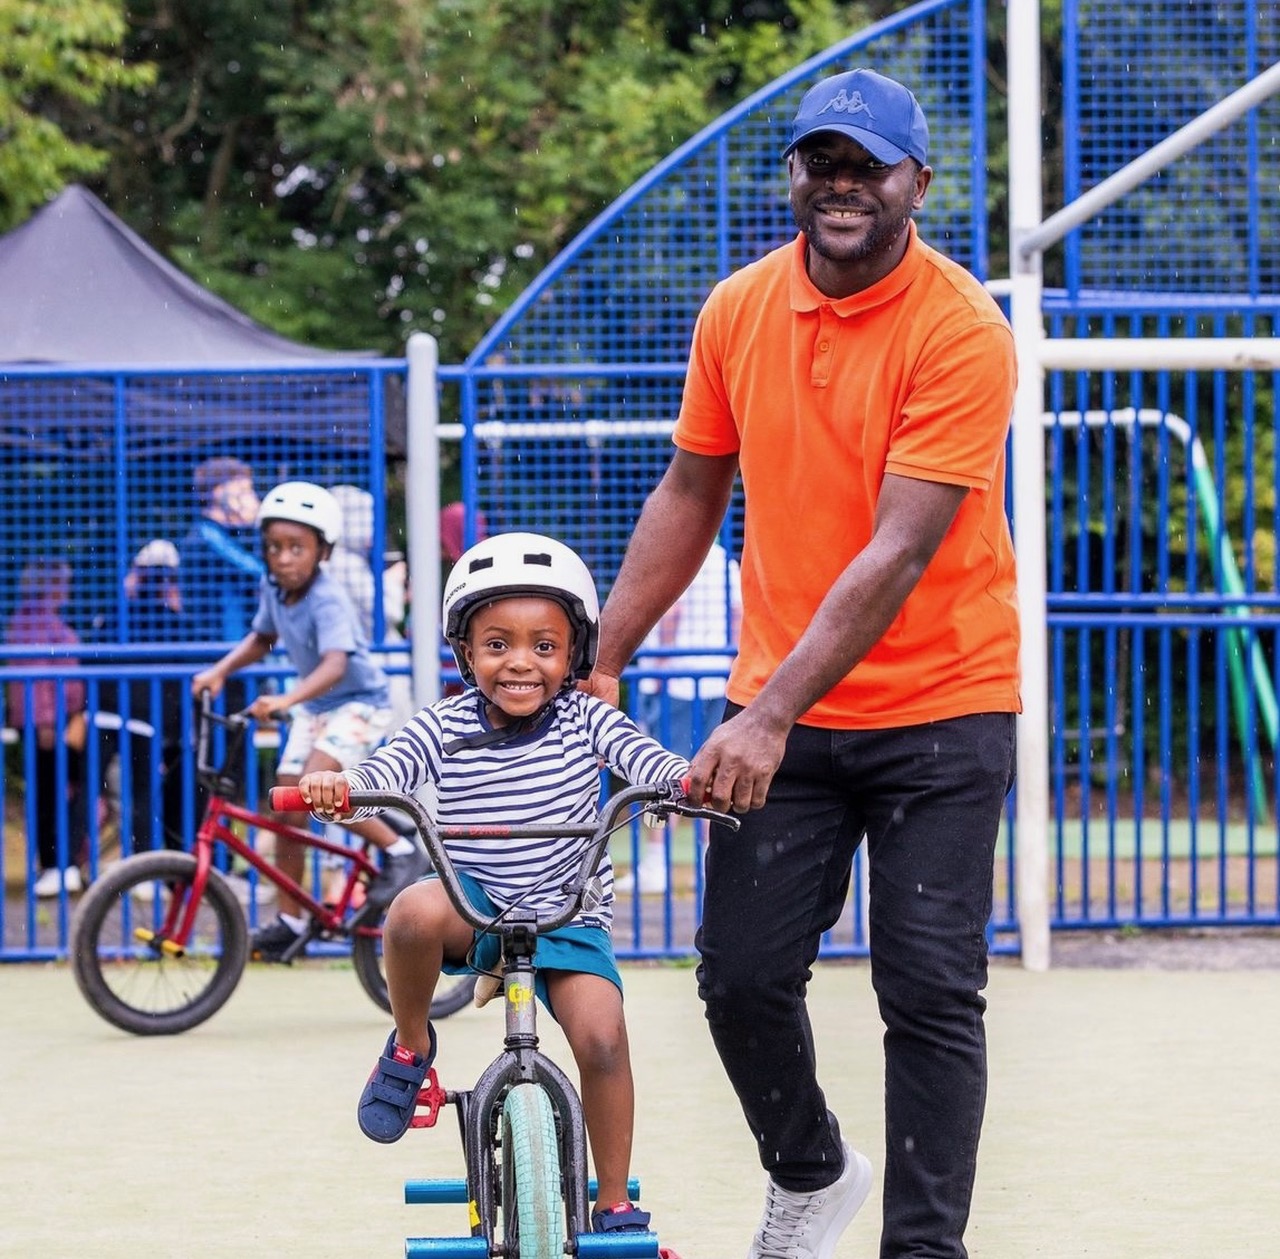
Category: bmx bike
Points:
column 522, row 1127
column 159, row 942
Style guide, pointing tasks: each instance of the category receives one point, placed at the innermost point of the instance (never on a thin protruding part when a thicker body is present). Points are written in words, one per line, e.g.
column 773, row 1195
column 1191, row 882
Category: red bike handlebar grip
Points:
column 287, row 800
column 684, row 785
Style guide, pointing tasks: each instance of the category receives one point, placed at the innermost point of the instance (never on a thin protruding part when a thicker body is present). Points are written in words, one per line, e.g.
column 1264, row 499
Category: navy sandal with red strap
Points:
column 391, row 1094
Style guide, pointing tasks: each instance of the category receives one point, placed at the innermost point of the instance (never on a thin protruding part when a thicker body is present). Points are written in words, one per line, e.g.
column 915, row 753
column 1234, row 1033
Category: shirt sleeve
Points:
column 404, row 764
column 629, row 752
column 956, row 421
column 706, row 425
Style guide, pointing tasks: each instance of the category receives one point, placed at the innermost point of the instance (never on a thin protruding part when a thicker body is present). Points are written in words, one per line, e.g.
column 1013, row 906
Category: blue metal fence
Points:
column 1163, row 512
column 94, row 465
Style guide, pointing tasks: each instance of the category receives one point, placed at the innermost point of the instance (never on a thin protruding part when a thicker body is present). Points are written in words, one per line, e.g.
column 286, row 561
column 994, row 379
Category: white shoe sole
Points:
column 860, row 1187
column 852, row 1189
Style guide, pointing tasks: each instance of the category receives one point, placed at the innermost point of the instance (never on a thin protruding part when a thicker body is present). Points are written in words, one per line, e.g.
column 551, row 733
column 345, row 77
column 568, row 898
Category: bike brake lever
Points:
column 713, row 815
column 682, row 806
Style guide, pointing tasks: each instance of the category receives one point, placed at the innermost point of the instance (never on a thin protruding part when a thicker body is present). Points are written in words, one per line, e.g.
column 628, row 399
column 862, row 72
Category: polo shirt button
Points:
column 824, row 346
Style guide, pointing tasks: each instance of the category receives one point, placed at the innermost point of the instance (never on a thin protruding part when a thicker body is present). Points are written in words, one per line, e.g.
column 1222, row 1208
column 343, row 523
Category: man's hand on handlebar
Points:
column 325, row 793
column 682, row 802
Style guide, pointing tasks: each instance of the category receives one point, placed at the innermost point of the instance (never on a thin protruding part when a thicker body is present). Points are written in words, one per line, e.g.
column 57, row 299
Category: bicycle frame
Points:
column 220, row 815
column 521, row 1061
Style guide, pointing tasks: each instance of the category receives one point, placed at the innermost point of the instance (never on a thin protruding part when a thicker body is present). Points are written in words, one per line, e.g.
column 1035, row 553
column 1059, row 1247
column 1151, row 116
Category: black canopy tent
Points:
column 79, row 286
column 119, row 374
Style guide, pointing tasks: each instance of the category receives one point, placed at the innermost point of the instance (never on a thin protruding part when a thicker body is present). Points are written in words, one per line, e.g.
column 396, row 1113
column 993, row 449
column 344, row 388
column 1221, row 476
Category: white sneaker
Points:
column 653, row 879
column 808, row 1225
column 53, row 881
column 146, row 893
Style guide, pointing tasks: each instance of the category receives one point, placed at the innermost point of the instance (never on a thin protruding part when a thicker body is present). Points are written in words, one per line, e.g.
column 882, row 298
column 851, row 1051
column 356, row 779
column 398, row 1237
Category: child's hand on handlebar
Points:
column 269, row 707
column 325, row 792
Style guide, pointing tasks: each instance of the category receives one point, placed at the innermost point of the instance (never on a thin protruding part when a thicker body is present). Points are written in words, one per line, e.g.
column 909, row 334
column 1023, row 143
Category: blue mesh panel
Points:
column 631, row 290
column 1142, row 71
column 94, row 466
column 578, row 454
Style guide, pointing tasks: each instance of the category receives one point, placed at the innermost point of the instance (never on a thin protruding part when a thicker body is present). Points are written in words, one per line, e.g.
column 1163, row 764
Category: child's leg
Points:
column 421, row 929
column 589, row 1009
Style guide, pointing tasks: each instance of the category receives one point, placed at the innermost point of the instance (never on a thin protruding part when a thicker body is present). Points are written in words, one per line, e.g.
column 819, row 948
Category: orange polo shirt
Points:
column 819, row 398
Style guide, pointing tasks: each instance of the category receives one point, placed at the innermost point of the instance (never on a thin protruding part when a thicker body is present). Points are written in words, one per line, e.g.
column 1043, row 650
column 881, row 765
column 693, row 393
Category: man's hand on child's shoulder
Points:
column 603, row 687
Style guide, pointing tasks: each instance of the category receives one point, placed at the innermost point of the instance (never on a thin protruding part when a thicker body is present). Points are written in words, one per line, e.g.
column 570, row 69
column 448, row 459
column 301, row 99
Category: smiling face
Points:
column 853, row 210
column 519, row 648
column 292, row 553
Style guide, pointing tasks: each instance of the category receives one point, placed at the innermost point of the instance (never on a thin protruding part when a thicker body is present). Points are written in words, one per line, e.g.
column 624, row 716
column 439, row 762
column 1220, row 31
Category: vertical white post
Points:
column 422, row 506
column 1032, row 791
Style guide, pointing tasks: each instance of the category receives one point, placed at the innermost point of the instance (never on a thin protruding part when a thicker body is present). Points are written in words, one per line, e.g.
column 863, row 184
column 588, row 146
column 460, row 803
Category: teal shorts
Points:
column 583, row 950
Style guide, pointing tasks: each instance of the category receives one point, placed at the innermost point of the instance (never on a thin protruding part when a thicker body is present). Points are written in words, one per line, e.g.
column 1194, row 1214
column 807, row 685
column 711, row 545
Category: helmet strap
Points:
column 500, row 734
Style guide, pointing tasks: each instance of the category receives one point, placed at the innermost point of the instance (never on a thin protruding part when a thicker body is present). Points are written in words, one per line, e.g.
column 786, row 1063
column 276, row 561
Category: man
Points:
column 221, row 567
column 862, row 384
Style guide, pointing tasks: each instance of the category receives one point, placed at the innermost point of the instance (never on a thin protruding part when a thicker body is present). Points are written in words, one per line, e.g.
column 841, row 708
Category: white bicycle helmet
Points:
column 304, row 504
column 523, row 564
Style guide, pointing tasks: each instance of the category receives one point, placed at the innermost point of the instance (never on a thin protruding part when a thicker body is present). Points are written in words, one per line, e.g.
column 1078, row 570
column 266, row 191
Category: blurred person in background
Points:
column 220, row 561
column 43, row 591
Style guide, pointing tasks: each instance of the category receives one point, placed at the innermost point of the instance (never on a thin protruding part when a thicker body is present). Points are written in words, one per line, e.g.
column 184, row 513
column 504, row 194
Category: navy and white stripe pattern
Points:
column 549, row 775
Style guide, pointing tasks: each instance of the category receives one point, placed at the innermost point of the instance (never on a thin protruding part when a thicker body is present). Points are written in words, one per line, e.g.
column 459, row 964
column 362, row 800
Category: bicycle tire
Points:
column 533, row 1215
column 136, row 985
column 451, row 994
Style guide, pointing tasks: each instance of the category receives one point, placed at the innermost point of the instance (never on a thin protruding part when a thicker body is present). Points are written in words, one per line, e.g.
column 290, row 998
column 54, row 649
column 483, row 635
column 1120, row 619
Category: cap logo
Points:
column 844, row 103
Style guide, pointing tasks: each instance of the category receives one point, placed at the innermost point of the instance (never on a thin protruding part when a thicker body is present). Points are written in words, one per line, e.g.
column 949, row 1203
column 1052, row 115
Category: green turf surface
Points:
column 1132, row 1115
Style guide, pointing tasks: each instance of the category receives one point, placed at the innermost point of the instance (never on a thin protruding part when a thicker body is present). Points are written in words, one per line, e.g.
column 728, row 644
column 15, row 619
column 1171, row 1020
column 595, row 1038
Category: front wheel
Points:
column 452, row 993
column 124, row 956
column 533, row 1216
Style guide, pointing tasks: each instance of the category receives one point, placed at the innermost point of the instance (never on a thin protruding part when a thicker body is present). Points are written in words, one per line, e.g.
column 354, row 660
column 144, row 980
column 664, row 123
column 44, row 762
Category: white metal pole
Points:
column 1032, row 790
column 1188, row 354
column 1156, row 158
column 422, row 507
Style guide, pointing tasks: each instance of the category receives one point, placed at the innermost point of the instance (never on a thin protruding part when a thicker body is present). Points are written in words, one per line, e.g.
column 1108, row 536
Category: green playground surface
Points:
column 1131, row 1114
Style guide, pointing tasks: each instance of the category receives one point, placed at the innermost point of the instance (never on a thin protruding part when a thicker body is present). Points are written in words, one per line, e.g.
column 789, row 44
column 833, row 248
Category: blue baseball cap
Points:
column 879, row 113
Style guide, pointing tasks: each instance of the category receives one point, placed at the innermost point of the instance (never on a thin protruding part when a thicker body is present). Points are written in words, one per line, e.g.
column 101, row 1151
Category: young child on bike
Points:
column 340, row 700
column 520, row 745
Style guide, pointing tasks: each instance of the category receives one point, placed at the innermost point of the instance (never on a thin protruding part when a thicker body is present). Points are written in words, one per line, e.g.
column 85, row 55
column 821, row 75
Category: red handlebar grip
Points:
column 684, row 784
column 287, row 800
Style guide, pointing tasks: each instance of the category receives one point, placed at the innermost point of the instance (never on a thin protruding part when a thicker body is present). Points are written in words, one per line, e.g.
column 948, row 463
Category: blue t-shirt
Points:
column 323, row 620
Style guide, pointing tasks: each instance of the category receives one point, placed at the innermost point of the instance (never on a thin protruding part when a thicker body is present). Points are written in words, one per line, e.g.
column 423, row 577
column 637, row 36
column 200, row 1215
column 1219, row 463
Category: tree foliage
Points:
column 350, row 171
column 56, row 57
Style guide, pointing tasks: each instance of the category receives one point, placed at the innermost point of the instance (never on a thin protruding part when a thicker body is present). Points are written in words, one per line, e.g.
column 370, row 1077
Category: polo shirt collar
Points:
column 806, row 296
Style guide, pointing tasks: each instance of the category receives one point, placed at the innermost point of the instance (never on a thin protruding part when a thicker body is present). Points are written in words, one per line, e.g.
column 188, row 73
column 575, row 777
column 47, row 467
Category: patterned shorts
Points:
column 347, row 733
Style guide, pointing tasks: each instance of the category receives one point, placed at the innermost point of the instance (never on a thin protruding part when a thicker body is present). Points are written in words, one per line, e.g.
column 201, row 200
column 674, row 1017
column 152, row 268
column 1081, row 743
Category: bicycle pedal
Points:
column 433, row 1097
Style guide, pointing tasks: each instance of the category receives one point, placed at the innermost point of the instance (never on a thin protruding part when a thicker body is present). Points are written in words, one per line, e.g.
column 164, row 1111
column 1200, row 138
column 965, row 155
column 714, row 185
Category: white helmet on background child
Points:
column 304, row 504
column 523, row 564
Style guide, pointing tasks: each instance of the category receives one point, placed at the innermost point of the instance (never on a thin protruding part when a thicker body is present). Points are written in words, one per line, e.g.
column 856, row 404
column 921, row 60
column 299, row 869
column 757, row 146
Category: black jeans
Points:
column 928, row 799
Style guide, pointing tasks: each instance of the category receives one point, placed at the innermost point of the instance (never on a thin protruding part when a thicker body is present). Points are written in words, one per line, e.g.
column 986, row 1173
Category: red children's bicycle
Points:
column 159, row 942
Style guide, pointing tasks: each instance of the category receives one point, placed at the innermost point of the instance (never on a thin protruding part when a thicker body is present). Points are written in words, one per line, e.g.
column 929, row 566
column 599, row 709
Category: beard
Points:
column 884, row 232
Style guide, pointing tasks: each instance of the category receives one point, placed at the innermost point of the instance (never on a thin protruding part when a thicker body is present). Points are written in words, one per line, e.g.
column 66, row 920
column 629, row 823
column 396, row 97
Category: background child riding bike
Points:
column 521, row 745
column 340, row 701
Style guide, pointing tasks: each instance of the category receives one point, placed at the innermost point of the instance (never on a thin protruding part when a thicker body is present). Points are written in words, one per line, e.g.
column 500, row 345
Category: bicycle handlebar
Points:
column 661, row 798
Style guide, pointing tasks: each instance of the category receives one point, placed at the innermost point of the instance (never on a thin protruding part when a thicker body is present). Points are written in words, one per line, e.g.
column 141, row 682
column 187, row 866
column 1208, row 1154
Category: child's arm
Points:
column 323, row 678
column 249, row 650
